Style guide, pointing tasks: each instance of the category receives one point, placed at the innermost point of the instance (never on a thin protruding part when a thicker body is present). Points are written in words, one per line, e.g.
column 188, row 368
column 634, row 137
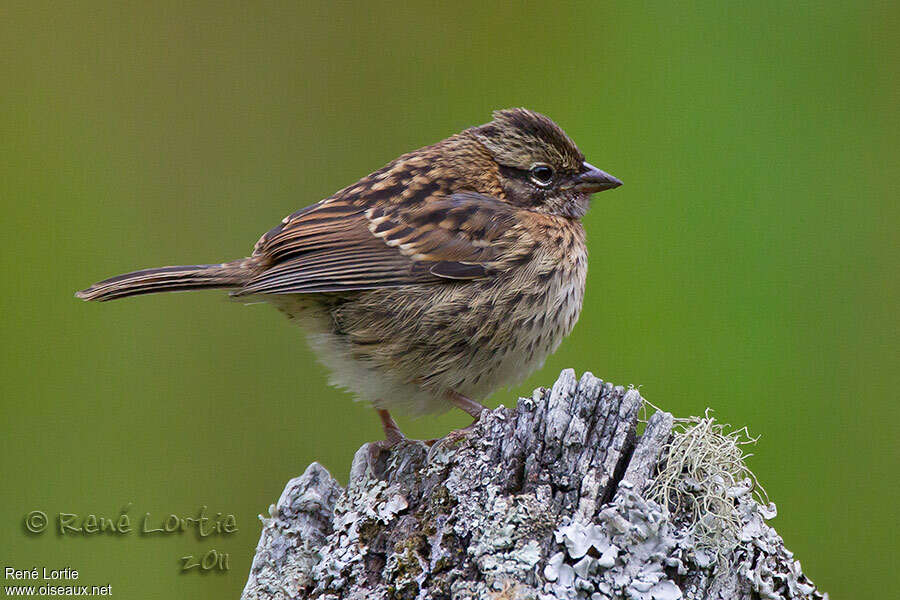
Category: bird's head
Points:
column 540, row 167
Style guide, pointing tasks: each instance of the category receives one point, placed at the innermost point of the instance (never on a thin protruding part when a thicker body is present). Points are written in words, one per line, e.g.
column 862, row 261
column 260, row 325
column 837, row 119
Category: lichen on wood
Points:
column 558, row 497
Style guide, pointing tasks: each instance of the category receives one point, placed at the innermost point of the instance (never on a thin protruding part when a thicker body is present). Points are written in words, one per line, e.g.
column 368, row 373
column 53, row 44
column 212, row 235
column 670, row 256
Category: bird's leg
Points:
column 392, row 433
column 394, row 436
column 472, row 407
column 467, row 404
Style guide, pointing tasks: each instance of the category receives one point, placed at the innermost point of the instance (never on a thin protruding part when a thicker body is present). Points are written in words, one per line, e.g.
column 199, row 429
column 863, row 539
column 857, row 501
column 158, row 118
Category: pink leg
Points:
column 467, row 404
column 392, row 432
column 393, row 435
column 471, row 407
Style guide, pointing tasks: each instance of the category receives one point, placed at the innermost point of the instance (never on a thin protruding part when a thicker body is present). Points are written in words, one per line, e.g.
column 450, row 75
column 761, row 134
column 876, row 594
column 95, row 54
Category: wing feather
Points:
column 337, row 245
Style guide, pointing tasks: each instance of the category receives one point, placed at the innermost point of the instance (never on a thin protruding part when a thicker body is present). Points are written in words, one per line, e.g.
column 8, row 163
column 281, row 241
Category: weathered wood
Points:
column 551, row 499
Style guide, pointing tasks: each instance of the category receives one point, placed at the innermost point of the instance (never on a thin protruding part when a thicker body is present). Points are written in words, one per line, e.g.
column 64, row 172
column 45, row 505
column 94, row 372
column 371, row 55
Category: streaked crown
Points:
column 519, row 138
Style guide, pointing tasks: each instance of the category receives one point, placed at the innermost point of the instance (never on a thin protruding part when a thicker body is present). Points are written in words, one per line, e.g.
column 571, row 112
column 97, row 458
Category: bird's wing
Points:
column 338, row 245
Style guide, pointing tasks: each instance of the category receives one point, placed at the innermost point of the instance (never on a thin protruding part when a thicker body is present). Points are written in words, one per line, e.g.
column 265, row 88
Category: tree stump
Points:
column 559, row 497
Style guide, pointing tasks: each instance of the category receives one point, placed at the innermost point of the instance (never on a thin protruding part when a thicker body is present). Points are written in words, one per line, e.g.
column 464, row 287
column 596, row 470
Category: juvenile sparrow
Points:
column 451, row 271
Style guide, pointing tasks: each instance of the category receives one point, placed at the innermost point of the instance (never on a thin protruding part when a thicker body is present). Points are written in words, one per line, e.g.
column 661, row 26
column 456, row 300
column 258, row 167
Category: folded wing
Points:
column 337, row 245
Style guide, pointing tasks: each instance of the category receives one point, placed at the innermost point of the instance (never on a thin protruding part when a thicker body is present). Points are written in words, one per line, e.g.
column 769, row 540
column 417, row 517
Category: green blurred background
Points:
column 750, row 262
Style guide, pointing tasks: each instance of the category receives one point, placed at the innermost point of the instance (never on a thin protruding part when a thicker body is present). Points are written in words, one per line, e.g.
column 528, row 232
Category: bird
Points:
column 452, row 271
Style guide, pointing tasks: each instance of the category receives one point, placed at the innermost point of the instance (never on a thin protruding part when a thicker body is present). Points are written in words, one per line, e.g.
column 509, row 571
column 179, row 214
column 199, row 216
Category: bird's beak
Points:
column 592, row 180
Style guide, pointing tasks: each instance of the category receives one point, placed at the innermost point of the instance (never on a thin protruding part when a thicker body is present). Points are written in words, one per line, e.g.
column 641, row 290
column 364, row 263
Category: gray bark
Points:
column 550, row 499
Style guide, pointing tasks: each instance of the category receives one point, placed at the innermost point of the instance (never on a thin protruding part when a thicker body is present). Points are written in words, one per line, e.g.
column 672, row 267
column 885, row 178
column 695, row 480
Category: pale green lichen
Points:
column 703, row 473
column 550, row 501
column 628, row 551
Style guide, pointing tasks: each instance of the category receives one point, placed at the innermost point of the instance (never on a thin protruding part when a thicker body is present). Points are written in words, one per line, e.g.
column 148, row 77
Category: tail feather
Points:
column 168, row 279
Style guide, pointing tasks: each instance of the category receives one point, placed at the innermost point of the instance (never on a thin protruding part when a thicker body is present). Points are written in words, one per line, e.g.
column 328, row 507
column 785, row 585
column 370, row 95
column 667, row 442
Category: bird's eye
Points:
column 542, row 175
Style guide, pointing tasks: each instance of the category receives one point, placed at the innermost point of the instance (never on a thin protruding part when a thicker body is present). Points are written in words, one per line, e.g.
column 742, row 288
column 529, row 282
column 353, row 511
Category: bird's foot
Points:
column 394, row 436
column 451, row 439
column 392, row 433
column 454, row 436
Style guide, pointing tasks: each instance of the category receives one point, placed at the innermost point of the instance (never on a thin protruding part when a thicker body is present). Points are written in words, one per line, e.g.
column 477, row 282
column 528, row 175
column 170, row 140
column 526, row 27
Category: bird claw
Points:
column 451, row 439
column 394, row 436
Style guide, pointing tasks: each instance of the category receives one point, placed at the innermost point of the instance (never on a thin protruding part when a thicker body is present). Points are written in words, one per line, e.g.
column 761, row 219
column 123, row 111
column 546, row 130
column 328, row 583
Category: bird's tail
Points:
column 169, row 279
